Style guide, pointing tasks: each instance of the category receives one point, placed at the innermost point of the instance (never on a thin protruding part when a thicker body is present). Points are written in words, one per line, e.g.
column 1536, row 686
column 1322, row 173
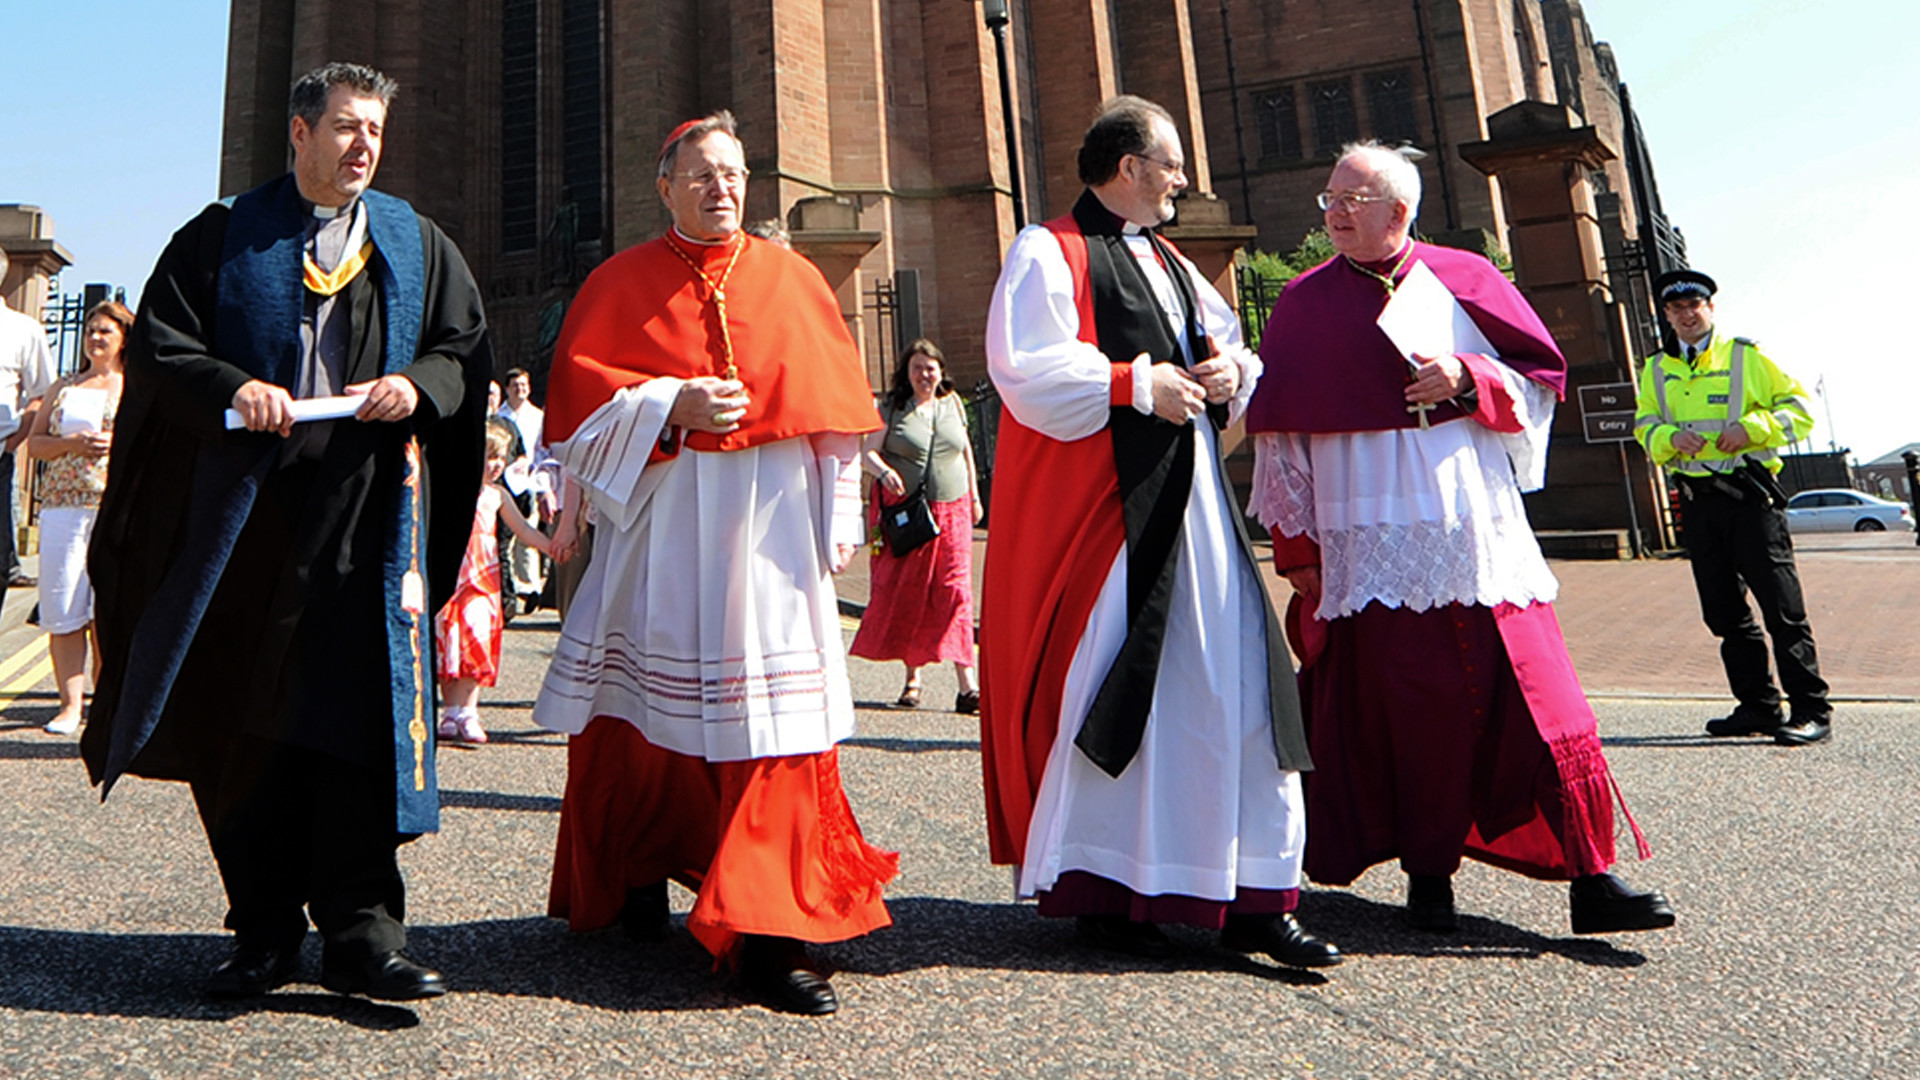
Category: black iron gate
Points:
column 895, row 306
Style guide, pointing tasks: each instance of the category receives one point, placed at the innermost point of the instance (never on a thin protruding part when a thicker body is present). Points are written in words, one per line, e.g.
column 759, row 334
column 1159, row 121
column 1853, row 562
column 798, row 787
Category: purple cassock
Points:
column 1446, row 730
column 1339, row 370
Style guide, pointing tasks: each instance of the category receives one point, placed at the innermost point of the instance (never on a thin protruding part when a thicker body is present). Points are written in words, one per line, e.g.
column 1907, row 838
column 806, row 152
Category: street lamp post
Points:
column 996, row 16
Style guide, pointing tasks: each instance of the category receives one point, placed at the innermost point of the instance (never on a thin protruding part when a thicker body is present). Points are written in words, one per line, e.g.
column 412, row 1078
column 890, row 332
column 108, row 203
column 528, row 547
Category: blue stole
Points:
column 258, row 309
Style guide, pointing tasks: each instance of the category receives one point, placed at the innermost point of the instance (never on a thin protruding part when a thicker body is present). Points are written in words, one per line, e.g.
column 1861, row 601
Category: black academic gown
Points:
column 291, row 650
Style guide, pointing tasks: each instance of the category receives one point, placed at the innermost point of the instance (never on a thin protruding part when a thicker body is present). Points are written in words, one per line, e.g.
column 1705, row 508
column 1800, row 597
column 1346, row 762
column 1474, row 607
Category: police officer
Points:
column 1715, row 412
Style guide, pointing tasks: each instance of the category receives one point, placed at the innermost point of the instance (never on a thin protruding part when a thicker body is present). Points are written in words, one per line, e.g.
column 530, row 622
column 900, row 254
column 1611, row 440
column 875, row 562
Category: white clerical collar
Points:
column 703, row 243
column 1131, row 228
column 328, row 213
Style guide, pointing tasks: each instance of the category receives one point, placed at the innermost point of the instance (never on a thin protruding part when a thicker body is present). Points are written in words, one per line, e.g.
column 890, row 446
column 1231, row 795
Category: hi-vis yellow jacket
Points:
column 1707, row 393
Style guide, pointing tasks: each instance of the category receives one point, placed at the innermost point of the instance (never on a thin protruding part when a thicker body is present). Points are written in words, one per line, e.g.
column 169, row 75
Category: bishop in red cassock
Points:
column 708, row 402
column 1442, row 710
column 1140, row 729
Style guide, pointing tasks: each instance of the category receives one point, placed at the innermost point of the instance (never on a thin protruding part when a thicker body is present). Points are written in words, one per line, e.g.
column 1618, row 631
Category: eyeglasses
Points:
column 728, row 175
column 1347, row 200
column 1177, row 170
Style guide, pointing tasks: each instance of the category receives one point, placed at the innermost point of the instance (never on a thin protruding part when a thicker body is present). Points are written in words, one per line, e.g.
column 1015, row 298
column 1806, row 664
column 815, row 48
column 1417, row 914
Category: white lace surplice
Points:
column 707, row 618
column 1414, row 518
column 1203, row 809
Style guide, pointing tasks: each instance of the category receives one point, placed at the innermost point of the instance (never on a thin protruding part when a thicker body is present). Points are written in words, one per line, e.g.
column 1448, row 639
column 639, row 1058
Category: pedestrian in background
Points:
column 1715, row 412
column 73, row 435
column 527, row 481
column 920, row 604
column 467, row 630
column 26, row 370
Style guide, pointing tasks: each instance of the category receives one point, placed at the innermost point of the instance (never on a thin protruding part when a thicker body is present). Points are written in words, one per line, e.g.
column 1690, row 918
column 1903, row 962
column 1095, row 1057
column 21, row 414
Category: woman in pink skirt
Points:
column 920, row 610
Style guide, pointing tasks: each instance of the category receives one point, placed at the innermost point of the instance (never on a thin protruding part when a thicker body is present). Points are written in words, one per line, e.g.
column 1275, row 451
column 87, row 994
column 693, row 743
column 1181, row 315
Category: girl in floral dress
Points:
column 467, row 630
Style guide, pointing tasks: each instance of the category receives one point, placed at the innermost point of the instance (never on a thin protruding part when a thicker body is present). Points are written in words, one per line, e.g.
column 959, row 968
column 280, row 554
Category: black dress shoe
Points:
column 1119, row 934
column 645, row 916
column 1430, row 903
column 1603, row 904
column 1279, row 936
column 253, row 969
column 1804, row 731
column 1745, row 721
column 779, row 971
column 387, row 976
column 967, row 702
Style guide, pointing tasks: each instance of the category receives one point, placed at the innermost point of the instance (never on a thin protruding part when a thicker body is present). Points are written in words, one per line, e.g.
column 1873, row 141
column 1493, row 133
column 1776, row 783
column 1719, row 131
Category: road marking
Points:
column 34, row 650
column 28, row 679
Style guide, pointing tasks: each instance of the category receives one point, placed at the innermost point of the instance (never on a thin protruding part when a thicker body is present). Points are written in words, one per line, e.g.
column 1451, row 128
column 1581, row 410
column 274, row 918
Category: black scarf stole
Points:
column 1154, row 461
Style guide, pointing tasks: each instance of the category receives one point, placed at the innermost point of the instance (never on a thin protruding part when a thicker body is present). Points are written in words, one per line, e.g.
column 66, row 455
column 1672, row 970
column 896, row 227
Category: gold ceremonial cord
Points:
column 1386, row 279
column 718, row 290
column 327, row 283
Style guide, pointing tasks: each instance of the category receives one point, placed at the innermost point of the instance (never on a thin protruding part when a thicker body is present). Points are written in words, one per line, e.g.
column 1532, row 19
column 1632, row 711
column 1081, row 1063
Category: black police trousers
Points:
column 1741, row 544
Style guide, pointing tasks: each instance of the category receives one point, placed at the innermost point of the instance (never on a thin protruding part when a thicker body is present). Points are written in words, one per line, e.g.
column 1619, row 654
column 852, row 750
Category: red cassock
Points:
column 1052, row 548
column 770, row 844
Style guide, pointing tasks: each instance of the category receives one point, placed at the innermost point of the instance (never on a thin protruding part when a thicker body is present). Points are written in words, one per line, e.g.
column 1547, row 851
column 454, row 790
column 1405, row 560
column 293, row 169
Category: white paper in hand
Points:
column 1424, row 319
column 308, row 409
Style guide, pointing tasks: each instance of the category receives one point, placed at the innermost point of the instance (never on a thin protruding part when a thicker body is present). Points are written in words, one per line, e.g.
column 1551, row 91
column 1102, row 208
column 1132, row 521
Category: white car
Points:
column 1843, row 509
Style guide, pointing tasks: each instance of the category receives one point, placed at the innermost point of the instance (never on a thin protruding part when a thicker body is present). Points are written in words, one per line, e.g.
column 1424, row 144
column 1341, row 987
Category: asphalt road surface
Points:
column 1795, row 874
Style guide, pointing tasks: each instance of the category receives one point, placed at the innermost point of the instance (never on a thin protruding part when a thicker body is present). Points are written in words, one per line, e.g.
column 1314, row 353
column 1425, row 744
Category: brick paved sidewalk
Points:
column 1634, row 627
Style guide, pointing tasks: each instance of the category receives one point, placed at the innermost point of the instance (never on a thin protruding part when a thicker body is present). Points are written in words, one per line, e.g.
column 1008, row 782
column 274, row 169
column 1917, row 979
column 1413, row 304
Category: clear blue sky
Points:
column 1782, row 132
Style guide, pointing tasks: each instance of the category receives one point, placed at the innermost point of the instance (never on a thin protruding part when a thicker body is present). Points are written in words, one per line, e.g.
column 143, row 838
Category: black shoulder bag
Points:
column 909, row 524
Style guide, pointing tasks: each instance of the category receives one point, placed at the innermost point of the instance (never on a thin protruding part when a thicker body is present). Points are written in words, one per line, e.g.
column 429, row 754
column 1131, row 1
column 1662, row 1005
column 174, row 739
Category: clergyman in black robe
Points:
column 265, row 595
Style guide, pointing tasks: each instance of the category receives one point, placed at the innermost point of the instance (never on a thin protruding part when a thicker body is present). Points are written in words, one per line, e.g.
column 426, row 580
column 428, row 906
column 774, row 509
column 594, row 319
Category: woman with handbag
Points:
column 926, row 496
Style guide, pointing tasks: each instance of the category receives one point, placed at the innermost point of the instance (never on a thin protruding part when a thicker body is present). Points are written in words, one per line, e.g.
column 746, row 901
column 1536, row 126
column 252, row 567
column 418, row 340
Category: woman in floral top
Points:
column 72, row 435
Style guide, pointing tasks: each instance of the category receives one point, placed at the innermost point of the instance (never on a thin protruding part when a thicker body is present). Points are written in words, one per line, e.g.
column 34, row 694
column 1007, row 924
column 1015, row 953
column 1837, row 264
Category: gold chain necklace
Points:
column 718, row 293
column 1386, row 279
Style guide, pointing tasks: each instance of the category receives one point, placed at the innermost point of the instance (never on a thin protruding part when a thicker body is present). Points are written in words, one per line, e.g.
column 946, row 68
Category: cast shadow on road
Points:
column 887, row 744
column 1691, row 740
column 34, row 744
column 455, row 799
column 158, row 976
column 1362, row 927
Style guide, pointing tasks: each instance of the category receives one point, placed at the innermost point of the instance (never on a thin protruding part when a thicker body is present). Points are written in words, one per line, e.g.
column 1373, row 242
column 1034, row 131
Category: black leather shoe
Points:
column 253, row 969
column 1804, row 731
column 1119, row 934
column 1745, row 721
column 780, row 972
column 1603, row 904
column 1430, row 903
column 387, row 976
column 1279, row 936
column 644, row 916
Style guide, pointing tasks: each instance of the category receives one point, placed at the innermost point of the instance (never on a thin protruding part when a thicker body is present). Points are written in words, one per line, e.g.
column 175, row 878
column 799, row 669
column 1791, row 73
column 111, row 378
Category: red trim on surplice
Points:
column 1056, row 531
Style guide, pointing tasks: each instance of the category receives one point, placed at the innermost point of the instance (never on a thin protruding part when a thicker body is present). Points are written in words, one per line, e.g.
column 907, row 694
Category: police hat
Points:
column 1684, row 285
